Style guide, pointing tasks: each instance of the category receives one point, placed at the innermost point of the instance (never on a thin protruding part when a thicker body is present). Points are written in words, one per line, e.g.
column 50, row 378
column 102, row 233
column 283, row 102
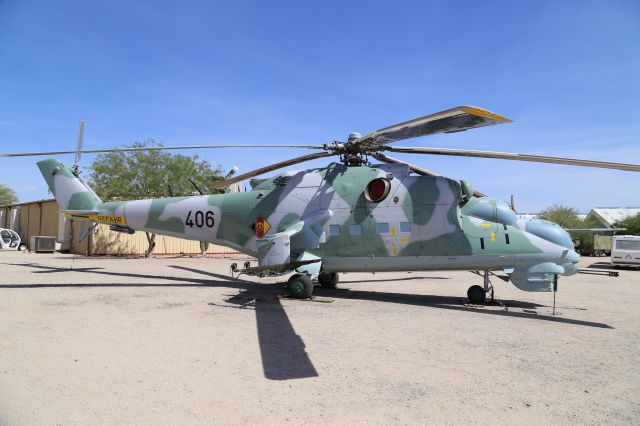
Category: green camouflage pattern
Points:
column 425, row 223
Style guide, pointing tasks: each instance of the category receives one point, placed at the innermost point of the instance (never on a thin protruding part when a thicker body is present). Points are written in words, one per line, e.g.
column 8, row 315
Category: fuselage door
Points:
column 479, row 221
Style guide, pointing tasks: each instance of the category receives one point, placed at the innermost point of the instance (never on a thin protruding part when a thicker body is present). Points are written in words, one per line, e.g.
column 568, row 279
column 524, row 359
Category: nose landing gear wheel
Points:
column 476, row 295
column 301, row 286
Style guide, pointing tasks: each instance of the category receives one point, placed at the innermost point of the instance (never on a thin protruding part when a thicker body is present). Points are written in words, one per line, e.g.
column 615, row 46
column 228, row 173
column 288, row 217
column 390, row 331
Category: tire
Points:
column 300, row 286
column 328, row 279
column 22, row 247
column 476, row 295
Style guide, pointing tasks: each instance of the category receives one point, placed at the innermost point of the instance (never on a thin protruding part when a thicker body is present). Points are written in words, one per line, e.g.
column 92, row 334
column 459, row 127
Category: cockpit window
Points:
column 550, row 232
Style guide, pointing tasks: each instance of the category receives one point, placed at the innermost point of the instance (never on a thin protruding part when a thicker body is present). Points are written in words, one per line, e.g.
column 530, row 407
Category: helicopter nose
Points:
column 550, row 231
column 573, row 256
column 554, row 233
column 571, row 265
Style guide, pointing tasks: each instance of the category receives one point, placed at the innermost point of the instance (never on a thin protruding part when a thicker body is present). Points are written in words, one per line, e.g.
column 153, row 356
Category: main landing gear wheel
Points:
column 301, row 286
column 328, row 279
column 476, row 295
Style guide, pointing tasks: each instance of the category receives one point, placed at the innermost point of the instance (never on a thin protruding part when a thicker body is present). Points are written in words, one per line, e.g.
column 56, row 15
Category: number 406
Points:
column 200, row 219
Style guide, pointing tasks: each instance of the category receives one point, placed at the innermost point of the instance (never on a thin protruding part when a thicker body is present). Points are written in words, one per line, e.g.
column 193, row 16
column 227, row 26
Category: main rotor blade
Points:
column 452, row 120
column 415, row 169
column 154, row 148
column 227, row 182
column 518, row 157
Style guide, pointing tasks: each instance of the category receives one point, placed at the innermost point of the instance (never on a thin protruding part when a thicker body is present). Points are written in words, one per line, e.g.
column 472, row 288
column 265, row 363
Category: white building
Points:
column 608, row 216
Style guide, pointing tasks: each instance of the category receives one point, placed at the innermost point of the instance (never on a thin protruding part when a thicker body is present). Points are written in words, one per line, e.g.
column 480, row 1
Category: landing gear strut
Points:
column 477, row 294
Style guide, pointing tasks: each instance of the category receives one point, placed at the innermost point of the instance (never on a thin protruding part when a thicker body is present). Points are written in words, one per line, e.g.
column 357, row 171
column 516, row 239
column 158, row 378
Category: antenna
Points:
column 513, row 205
column 76, row 168
column 196, row 186
column 232, row 172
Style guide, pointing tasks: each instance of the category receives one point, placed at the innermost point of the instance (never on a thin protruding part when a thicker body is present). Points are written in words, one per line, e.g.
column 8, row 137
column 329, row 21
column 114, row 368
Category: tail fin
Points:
column 70, row 192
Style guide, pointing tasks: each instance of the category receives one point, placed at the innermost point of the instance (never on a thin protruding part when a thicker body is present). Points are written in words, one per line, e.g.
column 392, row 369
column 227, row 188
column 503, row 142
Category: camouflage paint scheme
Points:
column 432, row 223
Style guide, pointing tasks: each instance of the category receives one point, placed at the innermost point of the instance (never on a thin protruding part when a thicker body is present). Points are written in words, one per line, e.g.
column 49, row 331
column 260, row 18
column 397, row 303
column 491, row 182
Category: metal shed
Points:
column 42, row 218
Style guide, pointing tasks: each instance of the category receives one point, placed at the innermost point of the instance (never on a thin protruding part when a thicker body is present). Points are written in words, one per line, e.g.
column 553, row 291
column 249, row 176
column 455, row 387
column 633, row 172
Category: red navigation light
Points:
column 377, row 190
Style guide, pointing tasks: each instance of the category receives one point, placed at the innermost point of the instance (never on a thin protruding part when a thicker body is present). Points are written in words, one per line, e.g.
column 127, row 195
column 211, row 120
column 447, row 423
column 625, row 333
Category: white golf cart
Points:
column 11, row 240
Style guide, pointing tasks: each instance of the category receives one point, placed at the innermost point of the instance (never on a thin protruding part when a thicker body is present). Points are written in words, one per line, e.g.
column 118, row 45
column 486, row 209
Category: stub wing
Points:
column 276, row 252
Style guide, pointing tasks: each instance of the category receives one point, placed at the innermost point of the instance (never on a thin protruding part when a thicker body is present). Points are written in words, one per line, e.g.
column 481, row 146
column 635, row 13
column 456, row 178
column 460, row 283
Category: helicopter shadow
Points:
column 455, row 304
column 601, row 265
column 433, row 301
column 282, row 350
column 609, row 266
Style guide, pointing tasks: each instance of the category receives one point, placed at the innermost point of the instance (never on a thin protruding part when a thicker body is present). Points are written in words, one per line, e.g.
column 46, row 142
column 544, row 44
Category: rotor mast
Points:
column 350, row 152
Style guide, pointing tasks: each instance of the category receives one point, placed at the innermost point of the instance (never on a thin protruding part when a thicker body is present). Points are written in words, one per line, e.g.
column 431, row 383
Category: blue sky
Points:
column 202, row 72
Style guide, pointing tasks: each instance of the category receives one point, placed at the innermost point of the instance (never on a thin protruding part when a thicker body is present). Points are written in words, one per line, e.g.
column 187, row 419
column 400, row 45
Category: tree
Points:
column 567, row 217
column 142, row 174
column 632, row 223
column 149, row 174
column 7, row 196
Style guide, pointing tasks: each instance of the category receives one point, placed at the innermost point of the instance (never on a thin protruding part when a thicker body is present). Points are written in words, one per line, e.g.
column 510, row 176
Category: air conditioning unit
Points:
column 43, row 244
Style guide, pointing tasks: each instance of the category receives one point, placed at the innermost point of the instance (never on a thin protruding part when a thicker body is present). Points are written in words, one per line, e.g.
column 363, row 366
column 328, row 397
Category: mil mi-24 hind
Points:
column 352, row 216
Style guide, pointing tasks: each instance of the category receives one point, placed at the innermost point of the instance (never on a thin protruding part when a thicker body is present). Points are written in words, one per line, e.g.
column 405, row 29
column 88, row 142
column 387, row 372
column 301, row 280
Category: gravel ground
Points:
column 176, row 341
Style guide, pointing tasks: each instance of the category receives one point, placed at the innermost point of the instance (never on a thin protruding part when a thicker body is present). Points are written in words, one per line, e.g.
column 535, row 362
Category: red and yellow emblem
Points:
column 260, row 226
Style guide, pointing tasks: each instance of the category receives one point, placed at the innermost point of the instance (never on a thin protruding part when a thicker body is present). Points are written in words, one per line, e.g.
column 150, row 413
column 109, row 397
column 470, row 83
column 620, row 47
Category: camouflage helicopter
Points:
column 353, row 216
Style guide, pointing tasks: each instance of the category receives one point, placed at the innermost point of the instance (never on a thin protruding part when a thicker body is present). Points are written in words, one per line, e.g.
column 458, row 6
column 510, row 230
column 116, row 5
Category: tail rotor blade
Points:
column 80, row 140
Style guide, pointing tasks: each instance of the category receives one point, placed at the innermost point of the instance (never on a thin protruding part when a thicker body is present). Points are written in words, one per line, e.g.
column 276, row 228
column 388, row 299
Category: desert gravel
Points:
column 177, row 341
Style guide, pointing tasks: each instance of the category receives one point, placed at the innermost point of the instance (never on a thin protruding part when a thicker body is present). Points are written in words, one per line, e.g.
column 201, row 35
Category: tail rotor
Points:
column 76, row 167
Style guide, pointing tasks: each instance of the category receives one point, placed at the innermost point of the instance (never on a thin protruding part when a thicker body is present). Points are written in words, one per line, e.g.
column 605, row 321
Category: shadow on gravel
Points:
column 602, row 265
column 609, row 266
column 180, row 281
column 454, row 304
column 282, row 350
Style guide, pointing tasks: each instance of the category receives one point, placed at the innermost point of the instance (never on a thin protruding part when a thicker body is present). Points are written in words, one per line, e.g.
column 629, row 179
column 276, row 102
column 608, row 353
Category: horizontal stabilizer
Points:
column 79, row 213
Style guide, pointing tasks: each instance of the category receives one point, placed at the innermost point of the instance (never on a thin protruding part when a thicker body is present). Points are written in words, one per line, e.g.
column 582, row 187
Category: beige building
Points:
column 42, row 218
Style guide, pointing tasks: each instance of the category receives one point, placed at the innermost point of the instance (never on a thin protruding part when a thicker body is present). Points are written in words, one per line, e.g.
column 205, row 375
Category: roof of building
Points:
column 27, row 202
column 610, row 215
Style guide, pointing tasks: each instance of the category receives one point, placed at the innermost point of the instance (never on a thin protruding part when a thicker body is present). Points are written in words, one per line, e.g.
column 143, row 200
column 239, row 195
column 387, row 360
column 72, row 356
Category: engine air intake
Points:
column 377, row 190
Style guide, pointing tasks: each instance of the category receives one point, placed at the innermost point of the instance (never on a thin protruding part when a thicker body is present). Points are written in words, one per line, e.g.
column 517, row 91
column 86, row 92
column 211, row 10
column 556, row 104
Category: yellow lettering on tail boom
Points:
column 116, row 220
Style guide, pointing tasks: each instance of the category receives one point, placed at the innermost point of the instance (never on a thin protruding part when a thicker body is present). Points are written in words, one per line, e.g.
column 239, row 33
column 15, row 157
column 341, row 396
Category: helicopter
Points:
column 352, row 215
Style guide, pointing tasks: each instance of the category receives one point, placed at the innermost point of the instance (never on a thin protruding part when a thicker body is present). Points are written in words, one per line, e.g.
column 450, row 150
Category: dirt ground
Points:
column 177, row 341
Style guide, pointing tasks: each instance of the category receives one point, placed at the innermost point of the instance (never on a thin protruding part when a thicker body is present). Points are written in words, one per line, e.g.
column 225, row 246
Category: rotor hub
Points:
column 353, row 136
column 351, row 153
